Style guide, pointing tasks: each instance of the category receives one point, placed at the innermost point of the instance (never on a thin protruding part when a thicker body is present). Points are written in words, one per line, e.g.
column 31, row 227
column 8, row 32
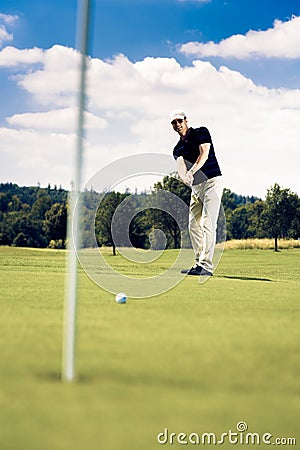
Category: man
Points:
column 198, row 167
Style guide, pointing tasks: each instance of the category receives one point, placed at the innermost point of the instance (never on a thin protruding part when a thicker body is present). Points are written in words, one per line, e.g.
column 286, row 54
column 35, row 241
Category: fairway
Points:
column 197, row 359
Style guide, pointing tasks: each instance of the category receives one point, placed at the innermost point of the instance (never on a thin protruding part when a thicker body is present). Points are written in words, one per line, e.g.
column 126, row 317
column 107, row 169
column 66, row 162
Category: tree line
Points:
column 37, row 217
column 32, row 216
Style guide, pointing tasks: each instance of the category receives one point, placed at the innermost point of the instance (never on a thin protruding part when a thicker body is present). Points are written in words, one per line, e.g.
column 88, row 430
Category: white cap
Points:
column 177, row 114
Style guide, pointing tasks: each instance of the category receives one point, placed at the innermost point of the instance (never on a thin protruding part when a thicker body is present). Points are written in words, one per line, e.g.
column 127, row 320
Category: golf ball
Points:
column 121, row 297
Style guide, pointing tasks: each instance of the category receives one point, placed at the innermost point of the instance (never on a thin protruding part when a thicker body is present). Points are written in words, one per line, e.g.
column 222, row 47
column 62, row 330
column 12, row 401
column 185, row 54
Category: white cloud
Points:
column 56, row 121
column 11, row 56
column 255, row 129
column 8, row 19
column 36, row 156
column 4, row 34
column 58, row 80
column 281, row 41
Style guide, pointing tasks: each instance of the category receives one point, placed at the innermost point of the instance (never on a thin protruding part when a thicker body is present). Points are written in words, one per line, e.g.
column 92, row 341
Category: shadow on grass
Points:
column 57, row 377
column 245, row 278
column 119, row 377
column 111, row 378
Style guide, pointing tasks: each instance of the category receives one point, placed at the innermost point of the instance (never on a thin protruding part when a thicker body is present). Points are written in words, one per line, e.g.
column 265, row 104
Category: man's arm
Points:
column 184, row 175
column 188, row 176
column 201, row 160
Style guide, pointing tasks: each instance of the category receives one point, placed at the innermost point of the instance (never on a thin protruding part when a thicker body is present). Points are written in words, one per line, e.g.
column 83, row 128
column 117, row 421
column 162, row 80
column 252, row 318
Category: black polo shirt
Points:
column 188, row 148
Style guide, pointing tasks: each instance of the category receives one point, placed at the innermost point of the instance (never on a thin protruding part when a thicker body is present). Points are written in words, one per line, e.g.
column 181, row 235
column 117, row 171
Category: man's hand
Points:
column 186, row 176
column 189, row 178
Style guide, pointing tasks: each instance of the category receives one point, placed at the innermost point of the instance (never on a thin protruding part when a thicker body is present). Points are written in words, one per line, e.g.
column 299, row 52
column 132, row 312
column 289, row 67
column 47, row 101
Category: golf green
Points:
column 197, row 359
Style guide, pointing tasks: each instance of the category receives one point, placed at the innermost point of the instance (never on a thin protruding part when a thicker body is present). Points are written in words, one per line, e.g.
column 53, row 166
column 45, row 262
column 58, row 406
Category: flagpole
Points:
column 73, row 227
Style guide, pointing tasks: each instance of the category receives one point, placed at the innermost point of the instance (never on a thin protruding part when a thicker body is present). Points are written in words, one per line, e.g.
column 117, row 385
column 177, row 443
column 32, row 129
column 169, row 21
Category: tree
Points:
column 17, row 222
column 279, row 212
column 20, row 240
column 4, row 200
column 15, row 204
column 256, row 222
column 55, row 223
column 23, row 212
column 89, row 203
column 238, row 226
column 294, row 231
column 171, row 183
column 103, row 221
column 40, row 206
column 169, row 216
column 245, row 221
column 229, row 200
column 139, row 229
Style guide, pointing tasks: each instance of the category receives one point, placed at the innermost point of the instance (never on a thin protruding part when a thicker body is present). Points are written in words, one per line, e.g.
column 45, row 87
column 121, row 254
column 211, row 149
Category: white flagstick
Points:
column 68, row 362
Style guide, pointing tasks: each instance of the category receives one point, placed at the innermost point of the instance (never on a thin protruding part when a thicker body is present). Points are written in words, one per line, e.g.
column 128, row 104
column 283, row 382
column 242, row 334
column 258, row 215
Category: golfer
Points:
column 198, row 167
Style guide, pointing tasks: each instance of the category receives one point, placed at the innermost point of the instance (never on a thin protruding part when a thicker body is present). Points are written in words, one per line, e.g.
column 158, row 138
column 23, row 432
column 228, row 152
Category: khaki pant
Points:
column 204, row 210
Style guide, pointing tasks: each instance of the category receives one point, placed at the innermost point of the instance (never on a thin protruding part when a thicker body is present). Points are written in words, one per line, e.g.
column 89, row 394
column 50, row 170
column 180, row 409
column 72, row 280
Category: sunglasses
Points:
column 175, row 121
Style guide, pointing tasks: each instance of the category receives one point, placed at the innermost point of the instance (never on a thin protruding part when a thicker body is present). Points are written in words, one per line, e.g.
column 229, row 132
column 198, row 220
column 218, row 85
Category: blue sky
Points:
column 161, row 30
column 140, row 28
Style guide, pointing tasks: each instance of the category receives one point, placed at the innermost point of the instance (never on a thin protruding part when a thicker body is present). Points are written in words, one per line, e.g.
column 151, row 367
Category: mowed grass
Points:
column 198, row 358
